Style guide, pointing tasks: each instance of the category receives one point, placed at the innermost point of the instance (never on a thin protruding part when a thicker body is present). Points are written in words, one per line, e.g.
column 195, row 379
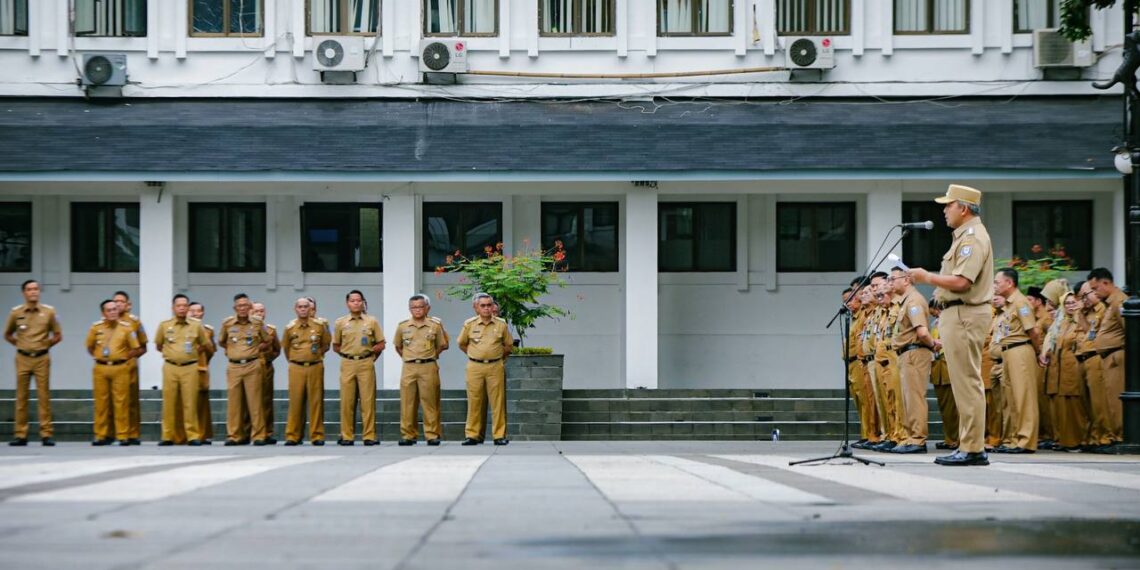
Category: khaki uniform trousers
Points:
column 358, row 381
column 949, row 412
column 486, row 382
column 889, row 393
column 306, row 398
column 864, row 401
column 994, row 406
column 1112, row 371
column 1045, row 430
column 914, row 375
column 133, row 411
column 267, row 398
column 1093, row 373
column 1008, row 425
column 205, row 417
column 419, row 387
column 180, row 402
column 112, row 388
column 243, row 395
column 871, row 369
column 1019, row 367
column 963, row 330
column 26, row 368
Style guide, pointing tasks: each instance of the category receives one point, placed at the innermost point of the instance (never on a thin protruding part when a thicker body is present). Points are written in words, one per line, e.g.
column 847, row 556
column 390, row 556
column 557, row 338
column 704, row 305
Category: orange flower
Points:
column 559, row 256
column 439, row 271
column 557, row 244
column 456, row 254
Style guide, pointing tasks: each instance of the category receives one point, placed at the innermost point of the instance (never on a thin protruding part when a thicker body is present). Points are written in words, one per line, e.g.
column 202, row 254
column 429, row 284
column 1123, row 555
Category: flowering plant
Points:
column 516, row 282
column 1041, row 268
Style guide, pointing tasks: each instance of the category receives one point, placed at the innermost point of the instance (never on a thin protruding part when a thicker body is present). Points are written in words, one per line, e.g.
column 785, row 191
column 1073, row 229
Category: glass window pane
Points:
column 227, row 237
column 205, row 237
column 716, row 238
column 697, row 237
column 588, row 232
column 16, row 236
column 13, row 17
column 675, row 16
column 675, row 246
column 815, row 237
column 950, row 16
column 340, row 237
column 369, row 243
column 245, row 17
column 480, row 16
column 209, row 17
column 557, row 17
column 324, row 16
column 441, row 16
column 713, row 16
column 595, row 17
column 466, row 227
column 364, row 16
column 104, row 237
column 1053, row 226
column 925, row 248
column 1031, row 15
column 125, row 238
column 910, row 15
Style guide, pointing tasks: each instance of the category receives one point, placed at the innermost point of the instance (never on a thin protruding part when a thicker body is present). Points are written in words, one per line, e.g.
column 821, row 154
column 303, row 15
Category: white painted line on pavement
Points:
column 1074, row 474
column 153, row 486
column 908, row 486
column 431, row 478
column 753, row 486
column 33, row 473
column 635, row 478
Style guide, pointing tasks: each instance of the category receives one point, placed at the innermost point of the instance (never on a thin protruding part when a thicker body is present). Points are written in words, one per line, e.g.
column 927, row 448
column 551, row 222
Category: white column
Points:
column 401, row 269
column 156, row 271
column 884, row 211
column 641, row 288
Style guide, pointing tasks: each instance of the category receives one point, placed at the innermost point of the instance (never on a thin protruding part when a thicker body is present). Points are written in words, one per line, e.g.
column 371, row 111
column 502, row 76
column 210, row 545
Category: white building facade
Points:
column 711, row 220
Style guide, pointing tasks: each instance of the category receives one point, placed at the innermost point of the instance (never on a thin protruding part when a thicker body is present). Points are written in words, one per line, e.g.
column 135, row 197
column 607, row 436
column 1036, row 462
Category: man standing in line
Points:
column 419, row 342
column 914, row 346
column 305, row 342
column 1019, row 364
column 181, row 340
column 33, row 329
column 205, row 420
column 243, row 339
column 1109, row 344
column 123, row 300
column 112, row 342
column 487, row 342
column 358, row 339
column 267, row 359
column 964, row 286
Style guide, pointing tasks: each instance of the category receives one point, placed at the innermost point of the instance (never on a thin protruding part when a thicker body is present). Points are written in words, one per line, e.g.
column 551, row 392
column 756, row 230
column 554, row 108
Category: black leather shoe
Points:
column 433, row 442
column 207, row 441
column 259, row 443
column 47, row 442
column 1018, row 450
column 194, row 443
column 18, row 442
column 1002, row 449
column 291, row 443
column 270, row 440
column 406, row 442
column 370, row 442
column 134, row 441
column 1047, row 444
column 317, row 442
column 910, row 448
column 102, row 442
column 345, row 442
column 885, row 446
column 231, row 443
column 502, row 441
column 124, row 442
column 962, row 459
column 245, row 441
column 471, row 441
column 165, row 443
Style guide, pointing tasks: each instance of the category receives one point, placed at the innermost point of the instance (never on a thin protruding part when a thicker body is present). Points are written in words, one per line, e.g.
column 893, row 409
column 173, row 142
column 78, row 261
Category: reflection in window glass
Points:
column 340, row 237
column 226, row 17
column 13, row 17
column 104, row 237
column 1029, row 15
column 588, row 231
column 815, row 237
column 925, row 248
column 1054, row 227
column 697, row 236
column 15, row 236
column 467, row 227
column 227, row 237
column 110, row 17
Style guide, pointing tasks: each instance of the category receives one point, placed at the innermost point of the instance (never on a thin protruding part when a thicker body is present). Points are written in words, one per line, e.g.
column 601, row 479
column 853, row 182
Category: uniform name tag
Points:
column 106, row 351
column 188, row 347
column 363, row 341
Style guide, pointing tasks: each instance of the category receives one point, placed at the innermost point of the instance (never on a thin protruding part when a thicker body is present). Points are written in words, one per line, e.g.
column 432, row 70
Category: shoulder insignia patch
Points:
column 914, row 310
column 970, row 231
column 966, row 251
column 1024, row 311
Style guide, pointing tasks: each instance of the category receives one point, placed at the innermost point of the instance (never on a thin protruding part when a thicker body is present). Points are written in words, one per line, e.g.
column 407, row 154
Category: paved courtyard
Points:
column 558, row 505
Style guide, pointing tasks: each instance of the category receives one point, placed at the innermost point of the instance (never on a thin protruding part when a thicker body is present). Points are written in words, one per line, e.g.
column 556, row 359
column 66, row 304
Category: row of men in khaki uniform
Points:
column 250, row 345
column 1052, row 366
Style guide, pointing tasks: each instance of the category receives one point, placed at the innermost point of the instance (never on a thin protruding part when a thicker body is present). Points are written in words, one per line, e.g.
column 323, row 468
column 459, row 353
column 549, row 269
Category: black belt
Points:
column 954, row 303
column 181, row 363
column 868, row 359
column 306, row 364
column 1014, row 345
column 1086, row 356
column 1106, row 353
column 244, row 360
column 361, row 357
column 110, row 362
column 997, row 361
column 484, row 360
column 31, row 354
column 419, row 361
column 909, row 348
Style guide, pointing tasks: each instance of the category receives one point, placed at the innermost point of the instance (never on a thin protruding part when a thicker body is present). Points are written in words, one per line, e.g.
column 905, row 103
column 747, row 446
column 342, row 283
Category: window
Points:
column 219, row 18
column 694, row 17
column 815, row 236
column 696, row 236
column 340, row 237
column 15, row 236
column 813, row 17
column 227, row 237
column 1065, row 225
column 13, row 17
column 925, row 248
column 343, row 17
column 1029, row 15
column 104, row 237
column 110, row 18
column 466, row 227
column 588, row 231
column 932, row 17
column 576, row 17
column 461, row 17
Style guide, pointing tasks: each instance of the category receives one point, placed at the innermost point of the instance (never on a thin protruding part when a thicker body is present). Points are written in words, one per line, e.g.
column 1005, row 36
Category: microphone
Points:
column 927, row 225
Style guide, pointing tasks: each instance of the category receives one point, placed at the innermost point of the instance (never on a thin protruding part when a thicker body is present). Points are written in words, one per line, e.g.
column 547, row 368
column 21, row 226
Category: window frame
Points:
column 809, row 11
column 29, row 210
column 929, row 28
column 425, row 231
column 853, row 219
column 574, row 22
column 227, row 17
column 122, row 21
column 1051, row 16
column 579, row 210
column 1089, row 223
column 227, row 207
column 16, row 31
column 460, row 18
column 344, row 20
column 104, row 209
column 334, row 206
column 693, row 24
column 698, row 220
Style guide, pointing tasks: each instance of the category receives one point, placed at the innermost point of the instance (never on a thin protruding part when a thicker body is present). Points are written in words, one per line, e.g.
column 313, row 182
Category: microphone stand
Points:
column 844, row 316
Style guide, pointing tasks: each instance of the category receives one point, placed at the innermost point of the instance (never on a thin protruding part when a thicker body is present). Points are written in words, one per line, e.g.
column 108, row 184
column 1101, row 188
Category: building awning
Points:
column 157, row 139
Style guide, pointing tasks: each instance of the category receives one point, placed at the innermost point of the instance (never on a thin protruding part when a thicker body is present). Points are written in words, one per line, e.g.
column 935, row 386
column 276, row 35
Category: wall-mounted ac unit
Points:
column 810, row 52
column 439, row 55
column 339, row 54
column 104, row 70
column 1051, row 49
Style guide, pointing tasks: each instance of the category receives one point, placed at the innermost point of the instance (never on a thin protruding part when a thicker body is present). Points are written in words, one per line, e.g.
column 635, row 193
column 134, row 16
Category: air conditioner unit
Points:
column 104, row 70
column 813, row 52
column 443, row 56
column 1051, row 49
column 339, row 54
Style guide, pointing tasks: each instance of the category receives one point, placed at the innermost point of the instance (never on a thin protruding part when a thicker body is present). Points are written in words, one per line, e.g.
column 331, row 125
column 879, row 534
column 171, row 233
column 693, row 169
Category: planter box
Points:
column 534, row 397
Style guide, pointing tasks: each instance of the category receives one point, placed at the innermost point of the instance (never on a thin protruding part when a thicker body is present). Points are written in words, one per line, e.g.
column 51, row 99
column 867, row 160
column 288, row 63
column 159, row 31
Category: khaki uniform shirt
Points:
column 855, row 340
column 357, row 335
column 939, row 372
column 181, row 341
column 111, row 342
column 883, row 344
column 242, row 341
column 912, row 314
column 136, row 327
column 32, row 325
column 420, row 341
column 1110, row 333
column 306, row 340
column 274, row 349
column 870, row 332
column 1044, row 322
column 485, row 341
column 971, row 256
column 1018, row 320
column 1087, row 322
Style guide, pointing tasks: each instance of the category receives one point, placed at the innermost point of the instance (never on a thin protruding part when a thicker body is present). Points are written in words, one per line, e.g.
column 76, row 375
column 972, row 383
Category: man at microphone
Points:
column 964, row 287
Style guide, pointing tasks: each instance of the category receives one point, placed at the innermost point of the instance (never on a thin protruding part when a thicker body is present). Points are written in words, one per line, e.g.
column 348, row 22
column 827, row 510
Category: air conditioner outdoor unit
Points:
column 812, row 52
column 104, row 70
column 1051, row 49
column 443, row 56
column 339, row 54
